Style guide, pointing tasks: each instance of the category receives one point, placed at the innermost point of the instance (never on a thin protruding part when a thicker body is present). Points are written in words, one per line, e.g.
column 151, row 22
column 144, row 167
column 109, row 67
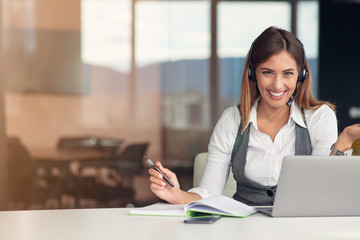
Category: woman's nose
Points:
column 278, row 81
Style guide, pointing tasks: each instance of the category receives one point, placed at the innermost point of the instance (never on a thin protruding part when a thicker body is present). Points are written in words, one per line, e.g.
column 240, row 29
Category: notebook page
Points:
column 222, row 205
column 160, row 209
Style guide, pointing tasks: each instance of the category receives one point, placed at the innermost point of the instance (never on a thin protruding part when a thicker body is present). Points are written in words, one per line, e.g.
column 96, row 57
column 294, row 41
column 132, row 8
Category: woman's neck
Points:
column 271, row 120
column 272, row 114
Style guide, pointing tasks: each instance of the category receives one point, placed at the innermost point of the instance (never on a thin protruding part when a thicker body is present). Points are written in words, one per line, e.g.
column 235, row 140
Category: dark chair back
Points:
column 130, row 161
column 21, row 170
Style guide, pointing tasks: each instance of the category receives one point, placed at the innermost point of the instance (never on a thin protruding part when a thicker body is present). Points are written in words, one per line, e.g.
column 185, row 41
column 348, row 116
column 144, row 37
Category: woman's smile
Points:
column 276, row 94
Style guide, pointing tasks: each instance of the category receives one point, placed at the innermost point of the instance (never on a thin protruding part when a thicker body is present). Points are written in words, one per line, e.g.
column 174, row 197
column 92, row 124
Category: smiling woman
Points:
column 268, row 124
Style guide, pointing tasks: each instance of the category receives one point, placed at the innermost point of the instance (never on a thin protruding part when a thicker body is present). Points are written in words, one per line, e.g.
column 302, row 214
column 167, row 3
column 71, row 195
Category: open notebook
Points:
column 216, row 205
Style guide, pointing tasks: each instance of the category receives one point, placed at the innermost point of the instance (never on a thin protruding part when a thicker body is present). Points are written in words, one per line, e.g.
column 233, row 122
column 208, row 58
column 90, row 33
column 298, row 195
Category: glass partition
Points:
column 111, row 73
column 172, row 47
column 308, row 32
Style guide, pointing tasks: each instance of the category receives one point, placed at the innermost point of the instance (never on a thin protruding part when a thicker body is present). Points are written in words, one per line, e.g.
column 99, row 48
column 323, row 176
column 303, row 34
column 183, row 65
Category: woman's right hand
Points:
column 161, row 188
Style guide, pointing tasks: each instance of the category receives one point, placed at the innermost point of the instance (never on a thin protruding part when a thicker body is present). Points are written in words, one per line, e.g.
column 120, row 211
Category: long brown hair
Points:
column 270, row 42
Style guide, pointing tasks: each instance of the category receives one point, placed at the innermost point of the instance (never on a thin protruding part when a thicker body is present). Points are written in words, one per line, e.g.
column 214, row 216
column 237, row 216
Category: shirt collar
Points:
column 253, row 115
column 295, row 115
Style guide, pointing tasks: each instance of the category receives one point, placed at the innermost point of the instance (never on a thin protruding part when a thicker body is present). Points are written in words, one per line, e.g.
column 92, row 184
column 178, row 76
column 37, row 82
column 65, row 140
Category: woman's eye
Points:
column 288, row 73
column 266, row 72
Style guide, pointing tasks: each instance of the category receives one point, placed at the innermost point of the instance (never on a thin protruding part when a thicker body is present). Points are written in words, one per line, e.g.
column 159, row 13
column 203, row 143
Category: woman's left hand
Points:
column 347, row 137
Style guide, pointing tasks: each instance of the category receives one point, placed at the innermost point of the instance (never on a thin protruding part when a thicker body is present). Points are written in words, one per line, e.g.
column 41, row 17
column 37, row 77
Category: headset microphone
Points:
column 293, row 98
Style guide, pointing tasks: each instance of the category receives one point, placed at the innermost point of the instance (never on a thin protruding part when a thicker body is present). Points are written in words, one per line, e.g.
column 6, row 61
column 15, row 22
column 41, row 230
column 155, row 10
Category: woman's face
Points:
column 276, row 79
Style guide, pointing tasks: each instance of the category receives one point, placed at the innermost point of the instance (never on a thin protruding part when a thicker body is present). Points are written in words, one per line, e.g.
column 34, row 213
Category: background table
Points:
column 91, row 224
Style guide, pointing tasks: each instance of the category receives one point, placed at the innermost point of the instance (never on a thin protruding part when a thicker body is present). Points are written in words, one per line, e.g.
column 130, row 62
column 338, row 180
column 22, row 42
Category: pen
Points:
column 152, row 165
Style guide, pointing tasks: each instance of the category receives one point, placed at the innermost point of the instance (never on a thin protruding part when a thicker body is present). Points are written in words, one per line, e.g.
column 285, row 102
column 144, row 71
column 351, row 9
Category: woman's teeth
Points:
column 276, row 94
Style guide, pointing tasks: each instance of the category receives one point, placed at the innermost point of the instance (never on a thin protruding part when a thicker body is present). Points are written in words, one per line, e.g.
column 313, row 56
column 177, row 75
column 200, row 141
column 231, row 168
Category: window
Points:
column 172, row 47
column 239, row 23
column 308, row 33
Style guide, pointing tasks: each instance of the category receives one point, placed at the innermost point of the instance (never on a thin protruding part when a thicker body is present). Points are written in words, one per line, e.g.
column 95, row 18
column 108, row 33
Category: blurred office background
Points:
column 86, row 84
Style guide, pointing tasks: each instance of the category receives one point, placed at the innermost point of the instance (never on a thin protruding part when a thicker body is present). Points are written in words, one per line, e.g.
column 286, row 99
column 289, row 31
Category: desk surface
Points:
column 89, row 224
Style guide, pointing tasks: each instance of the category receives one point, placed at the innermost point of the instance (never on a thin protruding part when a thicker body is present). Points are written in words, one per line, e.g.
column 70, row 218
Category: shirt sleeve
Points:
column 323, row 129
column 217, row 166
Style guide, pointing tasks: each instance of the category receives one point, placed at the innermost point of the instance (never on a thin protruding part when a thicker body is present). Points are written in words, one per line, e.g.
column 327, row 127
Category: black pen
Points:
column 152, row 165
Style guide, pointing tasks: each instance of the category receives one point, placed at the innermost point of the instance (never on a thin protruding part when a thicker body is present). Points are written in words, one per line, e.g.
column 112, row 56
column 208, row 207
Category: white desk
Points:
column 108, row 224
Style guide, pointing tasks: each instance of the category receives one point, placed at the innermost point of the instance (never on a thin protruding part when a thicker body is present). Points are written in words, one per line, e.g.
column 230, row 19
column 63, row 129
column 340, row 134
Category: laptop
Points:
column 317, row 186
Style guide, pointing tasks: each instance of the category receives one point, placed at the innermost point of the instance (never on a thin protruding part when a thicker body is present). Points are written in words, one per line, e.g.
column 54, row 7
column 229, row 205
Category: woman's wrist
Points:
column 342, row 146
column 337, row 152
column 344, row 141
column 183, row 197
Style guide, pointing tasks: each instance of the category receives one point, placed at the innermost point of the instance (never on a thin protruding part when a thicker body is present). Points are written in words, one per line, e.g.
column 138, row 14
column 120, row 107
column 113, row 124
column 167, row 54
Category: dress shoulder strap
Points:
column 241, row 141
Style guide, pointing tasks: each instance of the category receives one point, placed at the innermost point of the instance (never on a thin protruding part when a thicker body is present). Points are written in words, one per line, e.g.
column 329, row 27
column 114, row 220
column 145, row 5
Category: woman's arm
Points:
column 322, row 125
column 323, row 130
column 347, row 137
column 217, row 166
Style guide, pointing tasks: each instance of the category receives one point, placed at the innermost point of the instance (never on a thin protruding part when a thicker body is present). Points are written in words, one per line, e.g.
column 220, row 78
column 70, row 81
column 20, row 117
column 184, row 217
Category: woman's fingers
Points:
column 157, row 181
column 155, row 173
column 155, row 187
column 166, row 171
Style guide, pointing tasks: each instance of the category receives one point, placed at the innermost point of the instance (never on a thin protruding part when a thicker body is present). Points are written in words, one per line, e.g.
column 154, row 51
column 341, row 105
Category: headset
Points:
column 303, row 74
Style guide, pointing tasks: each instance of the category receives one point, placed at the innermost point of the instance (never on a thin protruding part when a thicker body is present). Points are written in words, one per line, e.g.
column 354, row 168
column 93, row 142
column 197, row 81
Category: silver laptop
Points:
column 314, row 186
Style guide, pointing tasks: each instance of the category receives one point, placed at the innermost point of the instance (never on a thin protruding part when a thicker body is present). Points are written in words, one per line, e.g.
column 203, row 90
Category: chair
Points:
column 30, row 182
column 121, row 169
column 199, row 165
column 356, row 147
column 21, row 172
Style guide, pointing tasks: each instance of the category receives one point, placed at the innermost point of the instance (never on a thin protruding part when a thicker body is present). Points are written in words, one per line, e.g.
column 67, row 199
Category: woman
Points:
column 277, row 116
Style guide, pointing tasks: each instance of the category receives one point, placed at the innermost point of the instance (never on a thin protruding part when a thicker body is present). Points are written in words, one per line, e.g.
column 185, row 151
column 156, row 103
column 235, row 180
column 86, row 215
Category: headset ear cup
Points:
column 303, row 75
column 252, row 75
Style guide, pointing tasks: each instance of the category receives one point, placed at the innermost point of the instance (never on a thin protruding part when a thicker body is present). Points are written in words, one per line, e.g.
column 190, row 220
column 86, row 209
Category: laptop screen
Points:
column 318, row 186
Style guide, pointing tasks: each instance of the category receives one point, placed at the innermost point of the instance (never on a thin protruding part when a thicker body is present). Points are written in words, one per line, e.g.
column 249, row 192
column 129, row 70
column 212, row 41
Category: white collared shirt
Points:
column 264, row 156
